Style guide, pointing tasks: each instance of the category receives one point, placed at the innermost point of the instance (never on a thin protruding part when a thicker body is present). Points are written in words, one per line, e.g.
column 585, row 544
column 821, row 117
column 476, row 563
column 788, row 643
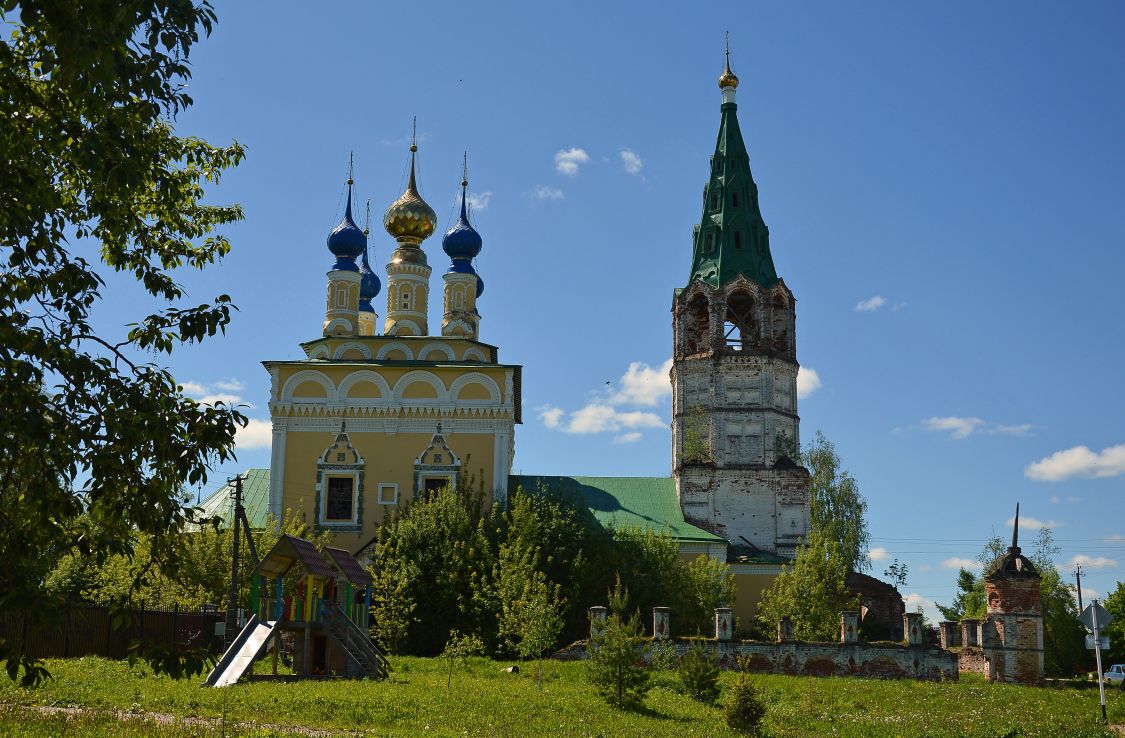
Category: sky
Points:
column 944, row 186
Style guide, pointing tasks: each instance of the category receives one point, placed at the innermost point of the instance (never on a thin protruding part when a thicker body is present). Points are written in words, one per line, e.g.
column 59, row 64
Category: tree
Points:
column 836, row 507
column 1115, row 604
column 615, row 665
column 707, row 584
column 969, row 602
column 459, row 648
column 811, row 591
column 93, row 435
column 696, row 445
column 536, row 617
column 897, row 573
column 699, row 673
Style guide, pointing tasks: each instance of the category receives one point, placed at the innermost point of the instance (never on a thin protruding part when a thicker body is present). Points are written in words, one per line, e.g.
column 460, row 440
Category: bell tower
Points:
column 736, row 432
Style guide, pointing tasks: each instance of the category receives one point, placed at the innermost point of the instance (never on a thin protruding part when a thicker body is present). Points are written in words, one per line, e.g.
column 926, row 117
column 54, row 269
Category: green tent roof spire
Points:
column 731, row 238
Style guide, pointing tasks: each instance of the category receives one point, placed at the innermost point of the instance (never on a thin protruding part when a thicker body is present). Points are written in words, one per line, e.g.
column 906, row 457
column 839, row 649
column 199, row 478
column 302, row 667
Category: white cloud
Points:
column 632, row 437
column 599, row 418
column 1114, row 537
column 223, row 397
column 644, row 385
column 543, row 192
column 568, row 160
column 193, row 389
column 1079, row 461
column 926, row 567
column 957, row 427
column 1020, row 430
column 1054, row 499
column 957, row 562
column 871, row 304
column 915, row 602
column 480, row 200
column 256, row 434
column 1091, row 562
column 1089, row 594
column 1034, row 523
column 229, row 385
column 209, row 394
column 550, row 415
column 877, row 554
column 631, row 161
column 808, row 381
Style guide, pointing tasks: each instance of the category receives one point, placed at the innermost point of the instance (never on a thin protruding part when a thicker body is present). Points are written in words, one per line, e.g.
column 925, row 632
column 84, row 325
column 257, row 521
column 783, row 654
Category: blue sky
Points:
column 957, row 169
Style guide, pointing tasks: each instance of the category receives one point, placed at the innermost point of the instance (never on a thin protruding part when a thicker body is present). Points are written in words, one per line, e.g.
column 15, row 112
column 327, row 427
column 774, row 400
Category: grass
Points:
column 486, row 701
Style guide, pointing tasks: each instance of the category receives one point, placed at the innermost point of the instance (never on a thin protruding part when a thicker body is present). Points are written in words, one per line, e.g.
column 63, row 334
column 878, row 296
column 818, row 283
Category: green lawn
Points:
column 485, row 701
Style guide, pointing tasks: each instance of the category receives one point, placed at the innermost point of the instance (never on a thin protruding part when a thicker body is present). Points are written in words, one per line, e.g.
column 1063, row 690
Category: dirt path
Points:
column 167, row 718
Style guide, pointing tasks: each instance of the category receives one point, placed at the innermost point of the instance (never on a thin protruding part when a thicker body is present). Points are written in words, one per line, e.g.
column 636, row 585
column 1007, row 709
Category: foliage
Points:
column 95, row 441
column 969, row 601
column 531, row 619
column 812, row 591
column 696, row 444
column 649, row 565
column 1115, row 604
column 491, row 702
column 897, row 572
column 459, row 648
column 615, row 665
column 699, row 673
column 743, row 706
column 836, row 507
column 435, row 551
column 707, row 584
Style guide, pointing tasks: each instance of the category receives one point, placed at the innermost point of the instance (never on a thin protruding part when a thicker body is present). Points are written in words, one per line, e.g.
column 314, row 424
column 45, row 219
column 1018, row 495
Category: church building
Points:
column 367, row 421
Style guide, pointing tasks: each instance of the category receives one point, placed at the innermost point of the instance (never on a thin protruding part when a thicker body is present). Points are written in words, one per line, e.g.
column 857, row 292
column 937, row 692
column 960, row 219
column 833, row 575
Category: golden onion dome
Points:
column 728, row 78
column 410, row 217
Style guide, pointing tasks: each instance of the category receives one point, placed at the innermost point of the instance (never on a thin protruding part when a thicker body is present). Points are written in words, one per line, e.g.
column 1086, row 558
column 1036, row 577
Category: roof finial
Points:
column 465, row 170
column 367, row 220
column 728, row 49
column 728, row 78
column 414, row 135
column 1016, row 528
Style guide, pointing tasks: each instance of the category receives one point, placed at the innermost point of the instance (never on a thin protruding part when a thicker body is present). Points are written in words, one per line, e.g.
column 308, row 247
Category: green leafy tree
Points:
column 699, row 673
column 650, row 568
column 93, row 435
column 811, row 591
column 707, row 584
column 897, row 573
column 538, row 621
column 459, row 648
column 1115, row 604
column 615, row 665
column 392, row 601
column 836, row 507
column 969, row 601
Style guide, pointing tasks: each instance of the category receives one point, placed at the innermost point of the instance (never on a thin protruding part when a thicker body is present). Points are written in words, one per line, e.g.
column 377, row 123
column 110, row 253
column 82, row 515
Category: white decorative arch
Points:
column 344, row 348
column 433, row 347
column 320, row 352
column 400, row 323
column 421, row 376
column 474, row 353
column 387, row 348
column 339, row 326
column 365, row 375
column 475, row 378
column 308, row 375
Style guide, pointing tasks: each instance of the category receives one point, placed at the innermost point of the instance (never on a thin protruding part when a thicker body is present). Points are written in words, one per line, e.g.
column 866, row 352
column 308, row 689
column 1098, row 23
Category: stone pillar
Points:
column 970, row 632
column 849, row 626
column 912, row 626
column 950, row 634
column 597, row 619
column 784, row 630
column 724, row 624
column 660, row 622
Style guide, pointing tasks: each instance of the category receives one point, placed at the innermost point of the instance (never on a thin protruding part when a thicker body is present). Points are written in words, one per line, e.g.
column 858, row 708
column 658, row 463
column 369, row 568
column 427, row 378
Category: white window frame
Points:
column 379, row 493
column 322, row 513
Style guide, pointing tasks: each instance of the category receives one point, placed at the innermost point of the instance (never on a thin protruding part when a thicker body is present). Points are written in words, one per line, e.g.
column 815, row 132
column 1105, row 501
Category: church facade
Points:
column 369, row 420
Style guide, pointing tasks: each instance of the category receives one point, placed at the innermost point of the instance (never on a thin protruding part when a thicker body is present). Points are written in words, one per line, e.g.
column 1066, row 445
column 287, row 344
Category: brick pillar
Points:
column 912, row 626
column 660, row 622
column 784, row 630
column 970, row 632
column 724, row 624
column 849, row 626
column 950, row 634
column 597, row 619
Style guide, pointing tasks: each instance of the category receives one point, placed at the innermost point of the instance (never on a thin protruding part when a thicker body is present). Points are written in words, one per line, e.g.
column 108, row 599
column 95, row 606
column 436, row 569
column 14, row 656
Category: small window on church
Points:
column 738, row 239
column 405, row 300
column 433, row 485
column 734, row 199
column 714, row 200
column 709, row 243
column 459, row 300
column 388, row 494
column 341, row 457
column 338, row 502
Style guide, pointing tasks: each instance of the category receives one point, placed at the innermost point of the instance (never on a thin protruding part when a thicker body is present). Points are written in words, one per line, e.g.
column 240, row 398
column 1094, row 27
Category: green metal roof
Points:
column 255, row 498
column 618, row 502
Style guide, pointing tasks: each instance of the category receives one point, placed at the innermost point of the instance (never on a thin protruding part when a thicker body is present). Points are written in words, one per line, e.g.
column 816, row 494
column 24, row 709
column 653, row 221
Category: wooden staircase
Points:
column 363, row 656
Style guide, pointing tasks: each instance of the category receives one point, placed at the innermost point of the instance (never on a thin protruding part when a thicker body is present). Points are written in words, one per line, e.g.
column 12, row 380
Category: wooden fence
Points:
column 89, row 630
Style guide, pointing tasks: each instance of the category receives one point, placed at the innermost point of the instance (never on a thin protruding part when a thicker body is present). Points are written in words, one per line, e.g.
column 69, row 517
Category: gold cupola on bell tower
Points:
column 409, row 220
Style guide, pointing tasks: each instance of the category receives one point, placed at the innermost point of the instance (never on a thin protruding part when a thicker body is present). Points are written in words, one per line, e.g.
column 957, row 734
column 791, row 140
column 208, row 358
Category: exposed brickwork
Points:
column 881, row 605
column 1012, row 632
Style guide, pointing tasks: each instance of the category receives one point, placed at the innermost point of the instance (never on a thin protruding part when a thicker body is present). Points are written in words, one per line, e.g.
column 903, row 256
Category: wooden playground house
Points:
column 324, row 618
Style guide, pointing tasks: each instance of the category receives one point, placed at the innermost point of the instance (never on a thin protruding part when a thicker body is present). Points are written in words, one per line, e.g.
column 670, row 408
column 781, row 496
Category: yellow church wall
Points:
column 748, row 594
column 402, row 348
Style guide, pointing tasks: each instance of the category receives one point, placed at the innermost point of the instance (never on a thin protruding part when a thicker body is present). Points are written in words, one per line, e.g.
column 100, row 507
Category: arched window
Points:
column 714, row 200
column 697, row 325
column 740, row 331
column 405, row 300
column 738, row 239
column 710, row 244
column 458, row 299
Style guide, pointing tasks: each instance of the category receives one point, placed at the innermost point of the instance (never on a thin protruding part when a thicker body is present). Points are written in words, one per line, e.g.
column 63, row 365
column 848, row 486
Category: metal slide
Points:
column 245, row 650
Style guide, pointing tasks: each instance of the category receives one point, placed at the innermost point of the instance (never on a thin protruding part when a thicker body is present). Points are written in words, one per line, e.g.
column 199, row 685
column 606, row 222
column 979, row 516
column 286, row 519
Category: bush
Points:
column 744, row 708
column 615, row 665
column 699, row 674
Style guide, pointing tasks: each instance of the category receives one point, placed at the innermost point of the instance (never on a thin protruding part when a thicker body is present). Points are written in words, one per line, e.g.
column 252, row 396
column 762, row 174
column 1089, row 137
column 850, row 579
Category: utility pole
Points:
column 235, row 520
column 1078, row 577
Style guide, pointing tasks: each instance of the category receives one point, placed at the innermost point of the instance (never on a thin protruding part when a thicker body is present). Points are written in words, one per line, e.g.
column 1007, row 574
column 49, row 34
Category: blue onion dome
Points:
column 462, row 240
column 410, row 218
column 346, row 241
column 480, row 286
column 369, row 284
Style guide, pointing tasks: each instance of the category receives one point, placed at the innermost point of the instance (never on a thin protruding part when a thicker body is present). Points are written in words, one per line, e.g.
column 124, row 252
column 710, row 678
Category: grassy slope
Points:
column 485, row 701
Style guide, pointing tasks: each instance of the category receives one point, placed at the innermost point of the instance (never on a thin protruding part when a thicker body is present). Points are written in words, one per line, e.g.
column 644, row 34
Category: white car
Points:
column 1116, row 674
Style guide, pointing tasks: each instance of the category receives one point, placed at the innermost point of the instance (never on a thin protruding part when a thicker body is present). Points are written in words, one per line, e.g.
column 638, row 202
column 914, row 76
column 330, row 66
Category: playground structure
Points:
column 325, row 617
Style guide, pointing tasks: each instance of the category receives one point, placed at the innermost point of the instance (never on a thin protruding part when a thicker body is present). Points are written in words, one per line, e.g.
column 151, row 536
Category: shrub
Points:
column 744, row 708
column 615, row 665
column 699, row 674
